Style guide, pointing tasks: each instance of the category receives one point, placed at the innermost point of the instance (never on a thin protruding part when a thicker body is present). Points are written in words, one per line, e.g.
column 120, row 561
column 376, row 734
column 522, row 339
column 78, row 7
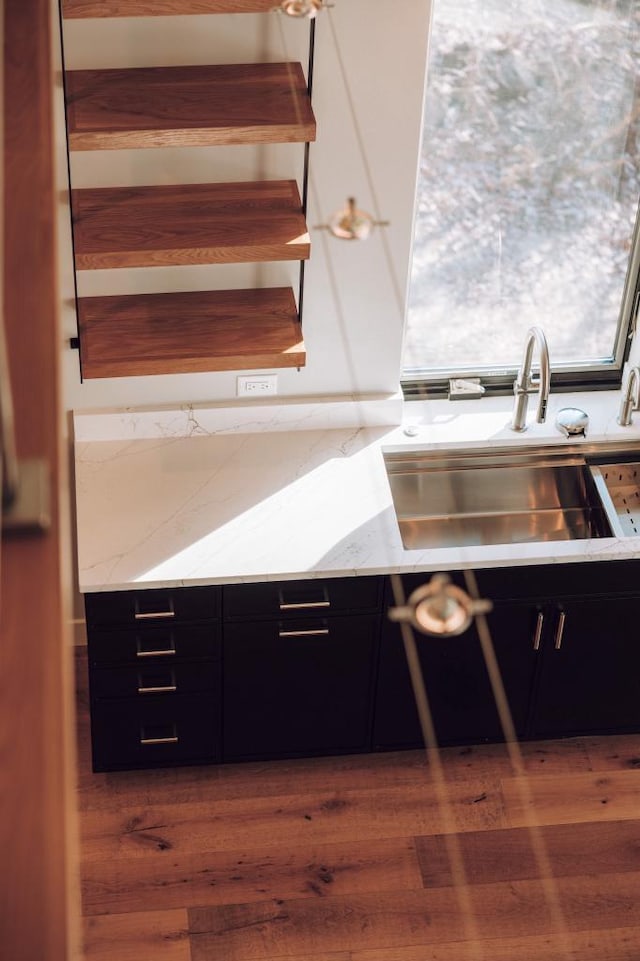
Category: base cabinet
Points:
column 243, row 672
column 587, row 643
column 299, row 663
column 590, row 670
column 459, row 691
column 154, row 678
column 252, row 671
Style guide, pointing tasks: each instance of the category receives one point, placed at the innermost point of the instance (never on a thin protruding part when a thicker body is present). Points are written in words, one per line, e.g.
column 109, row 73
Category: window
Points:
column 528, row 190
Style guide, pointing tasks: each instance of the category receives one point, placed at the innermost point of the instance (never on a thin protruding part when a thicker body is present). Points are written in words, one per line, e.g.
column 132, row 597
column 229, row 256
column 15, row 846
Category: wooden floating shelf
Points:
column 191, row 106
column 197, row 331
column 188, row 224
column 76, row 9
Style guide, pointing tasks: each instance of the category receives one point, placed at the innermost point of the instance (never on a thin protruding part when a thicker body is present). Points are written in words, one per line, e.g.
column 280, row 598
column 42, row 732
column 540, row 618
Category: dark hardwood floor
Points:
column 354, row 859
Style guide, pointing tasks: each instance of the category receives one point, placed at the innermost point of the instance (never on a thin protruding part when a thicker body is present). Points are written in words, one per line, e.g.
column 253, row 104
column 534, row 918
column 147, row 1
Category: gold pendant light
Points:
column 439, row 608
column 301, row 8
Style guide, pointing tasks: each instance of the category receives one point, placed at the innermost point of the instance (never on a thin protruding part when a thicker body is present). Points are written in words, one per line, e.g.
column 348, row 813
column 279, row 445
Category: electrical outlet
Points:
column 258, row 385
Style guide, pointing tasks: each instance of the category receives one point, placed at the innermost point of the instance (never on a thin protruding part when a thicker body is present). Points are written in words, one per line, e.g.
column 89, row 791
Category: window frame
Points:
column 424, row 383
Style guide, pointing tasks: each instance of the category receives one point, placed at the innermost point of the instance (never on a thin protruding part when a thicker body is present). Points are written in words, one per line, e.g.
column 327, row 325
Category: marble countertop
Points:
column 253, row 493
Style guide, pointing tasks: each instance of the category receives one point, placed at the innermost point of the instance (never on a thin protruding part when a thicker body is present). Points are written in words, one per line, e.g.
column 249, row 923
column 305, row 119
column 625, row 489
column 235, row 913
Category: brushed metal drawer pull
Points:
column 560, row 630
column 159, row 740
column 319, row 632
column 162, row 653
column 538, row 632
column 303, row 605
column 153, row 615
column 167, row 689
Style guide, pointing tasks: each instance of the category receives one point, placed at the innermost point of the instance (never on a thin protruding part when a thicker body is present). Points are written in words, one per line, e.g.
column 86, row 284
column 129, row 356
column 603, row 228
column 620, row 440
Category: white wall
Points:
column 354, row 292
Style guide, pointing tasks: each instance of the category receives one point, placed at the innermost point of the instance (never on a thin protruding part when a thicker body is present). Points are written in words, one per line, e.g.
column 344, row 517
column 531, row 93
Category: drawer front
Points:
column 155, row 732
column 153, row 644
column 154, row 607
column 552, row 580
column 311, row 597
column 154, row 678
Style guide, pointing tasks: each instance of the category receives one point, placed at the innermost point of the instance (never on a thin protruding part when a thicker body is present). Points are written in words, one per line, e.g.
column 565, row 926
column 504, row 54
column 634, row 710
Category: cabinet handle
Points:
column 153, row 615
column 162, row 653
column 560, row 630
column 159, row 740
column 319, row 632
column 538, row 631
column 167, row 689
column 303, row 605
column 308, row 605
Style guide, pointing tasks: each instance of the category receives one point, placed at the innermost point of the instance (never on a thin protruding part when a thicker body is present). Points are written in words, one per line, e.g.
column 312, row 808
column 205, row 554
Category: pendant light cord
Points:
column 397, row 291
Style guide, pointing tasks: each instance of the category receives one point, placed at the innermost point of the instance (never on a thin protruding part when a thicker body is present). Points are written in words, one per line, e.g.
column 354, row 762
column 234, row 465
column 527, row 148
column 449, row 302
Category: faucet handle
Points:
column 630, row 396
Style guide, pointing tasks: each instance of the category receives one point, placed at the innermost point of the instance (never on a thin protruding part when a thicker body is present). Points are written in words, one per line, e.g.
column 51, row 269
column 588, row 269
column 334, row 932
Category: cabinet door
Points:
column 460, row 694
column 298, row 687
column 590, row 678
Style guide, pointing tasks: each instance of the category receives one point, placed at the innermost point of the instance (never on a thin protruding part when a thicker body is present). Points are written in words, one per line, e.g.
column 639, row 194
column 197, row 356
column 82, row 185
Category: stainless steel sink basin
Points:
column 507, row 495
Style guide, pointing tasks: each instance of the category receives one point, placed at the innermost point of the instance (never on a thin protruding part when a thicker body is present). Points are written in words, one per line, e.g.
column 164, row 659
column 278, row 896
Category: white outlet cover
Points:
column 256, row 385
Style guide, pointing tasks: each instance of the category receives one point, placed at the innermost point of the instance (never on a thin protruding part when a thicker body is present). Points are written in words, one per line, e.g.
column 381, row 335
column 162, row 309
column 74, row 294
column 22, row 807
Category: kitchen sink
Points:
column 514, row 495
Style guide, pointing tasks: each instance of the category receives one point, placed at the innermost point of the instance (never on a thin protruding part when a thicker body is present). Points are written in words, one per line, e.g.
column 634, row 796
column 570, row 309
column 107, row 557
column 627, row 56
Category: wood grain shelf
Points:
column 188, row 106
column 188, row 224
column 196, row 331
column 76, row 9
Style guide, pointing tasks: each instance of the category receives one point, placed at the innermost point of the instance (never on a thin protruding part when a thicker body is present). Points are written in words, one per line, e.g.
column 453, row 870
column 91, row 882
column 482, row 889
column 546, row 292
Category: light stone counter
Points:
column 223, row 495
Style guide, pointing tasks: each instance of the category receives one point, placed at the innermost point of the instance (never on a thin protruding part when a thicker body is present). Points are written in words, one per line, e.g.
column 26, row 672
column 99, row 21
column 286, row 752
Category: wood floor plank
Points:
column 316, row 956
column 621, row 752
column 289, row 820
column 397, row 919
column 568, row 799
column 508, row 853
column 228, row 877
column 161, row 936
column 537, row 757
column 309, row 775
column 617, row 944
column 225, row 782
column 268, row 779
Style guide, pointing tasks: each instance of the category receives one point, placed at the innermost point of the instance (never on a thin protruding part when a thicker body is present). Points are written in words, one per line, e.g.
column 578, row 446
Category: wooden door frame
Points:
column 39, row 901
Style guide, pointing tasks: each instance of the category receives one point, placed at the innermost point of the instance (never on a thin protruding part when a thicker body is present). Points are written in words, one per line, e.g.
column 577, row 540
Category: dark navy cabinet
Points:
column 314, row 666
column 459, row 691
column 154, row 677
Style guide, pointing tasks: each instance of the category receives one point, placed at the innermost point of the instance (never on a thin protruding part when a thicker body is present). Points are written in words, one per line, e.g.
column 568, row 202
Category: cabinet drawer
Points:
column 606, row 578
column 152, row 732
column 153, row 644
column 153, row 678
column 137, row 608
column 322, row 597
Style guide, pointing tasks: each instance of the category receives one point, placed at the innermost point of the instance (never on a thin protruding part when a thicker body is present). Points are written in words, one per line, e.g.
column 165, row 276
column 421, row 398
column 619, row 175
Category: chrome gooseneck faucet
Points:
column 524, row 383
column 630, row 397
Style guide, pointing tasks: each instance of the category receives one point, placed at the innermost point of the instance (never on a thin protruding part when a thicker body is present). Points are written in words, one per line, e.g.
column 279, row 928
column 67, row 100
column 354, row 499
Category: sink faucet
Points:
column 524, row 383
column 630, row 397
